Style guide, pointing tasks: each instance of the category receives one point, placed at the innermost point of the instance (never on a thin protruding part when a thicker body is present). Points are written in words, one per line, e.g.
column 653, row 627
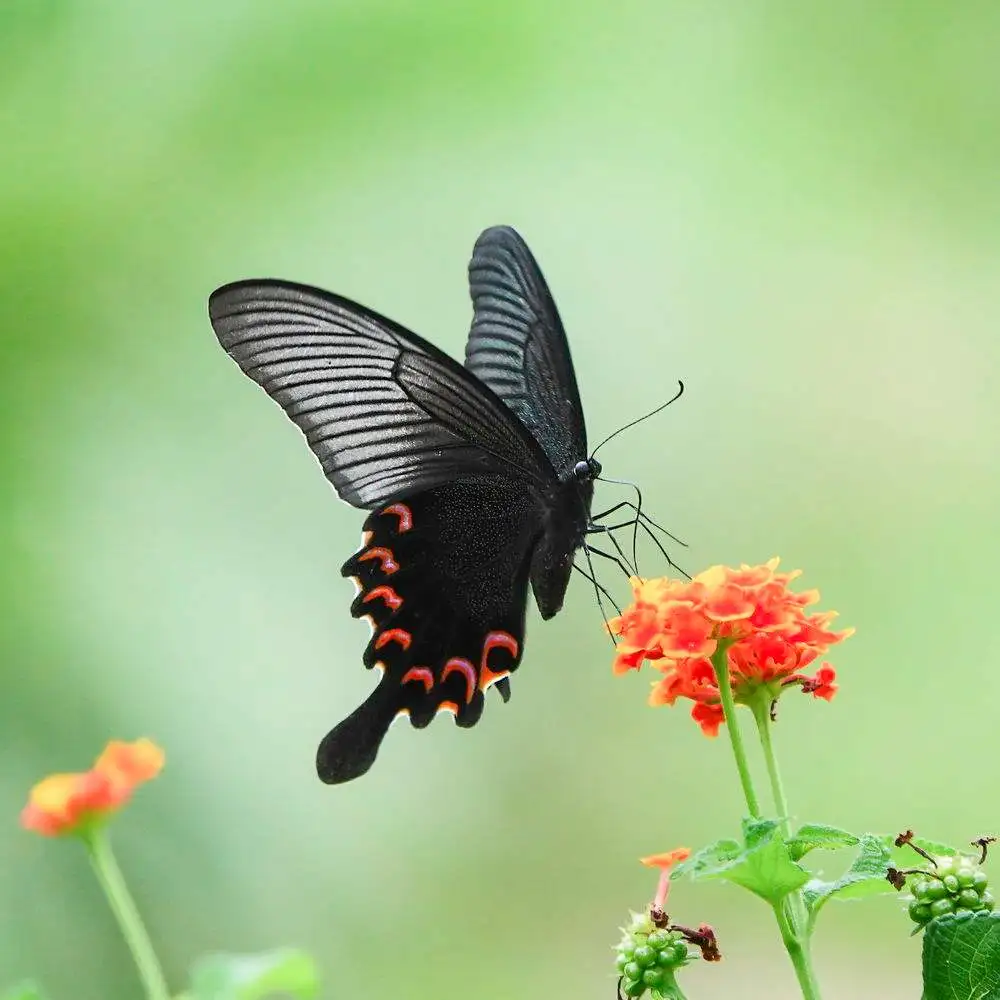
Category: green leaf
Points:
column 26, row 990
column 285, row 971
column 962, row 957
column 765, row 869
column 756, row 831
column 811, row 836
column 865, row 877
column 708, row 859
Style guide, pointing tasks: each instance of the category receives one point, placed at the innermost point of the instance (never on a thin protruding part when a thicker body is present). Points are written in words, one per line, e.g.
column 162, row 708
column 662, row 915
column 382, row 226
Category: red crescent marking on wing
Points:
column 399, row 635
column 391, row 598
column 422, row 674
column 464, row 667
column 503, row 640
column 384, row 556
column 404, row 514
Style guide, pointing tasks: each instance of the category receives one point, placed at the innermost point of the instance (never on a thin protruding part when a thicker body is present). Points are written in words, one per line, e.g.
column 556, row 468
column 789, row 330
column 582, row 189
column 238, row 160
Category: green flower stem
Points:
column 123, row 906
column 793, row 907
column 720, row 663
column 762, row 716
column 799, row 954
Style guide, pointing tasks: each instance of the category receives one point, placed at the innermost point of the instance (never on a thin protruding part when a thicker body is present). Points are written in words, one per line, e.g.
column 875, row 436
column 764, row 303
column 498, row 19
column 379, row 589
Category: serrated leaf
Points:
column 26, row 990
column 813, row 836
column 865, row 877
column 766, row 870
column 708, row 859
column 756, row 831
column 285, row 972
column 961, row 959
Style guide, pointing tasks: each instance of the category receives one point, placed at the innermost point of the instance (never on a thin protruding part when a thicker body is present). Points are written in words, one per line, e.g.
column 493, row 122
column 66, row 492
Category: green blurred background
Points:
column 792, row 206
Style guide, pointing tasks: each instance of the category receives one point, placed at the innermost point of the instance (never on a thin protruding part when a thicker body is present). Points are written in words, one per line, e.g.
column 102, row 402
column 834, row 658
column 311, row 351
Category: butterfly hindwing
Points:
column 517, row 345
column 443, row 578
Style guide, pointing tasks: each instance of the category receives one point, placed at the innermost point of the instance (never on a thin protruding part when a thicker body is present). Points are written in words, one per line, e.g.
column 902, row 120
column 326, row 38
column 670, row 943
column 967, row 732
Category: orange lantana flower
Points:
column 69, row 803
column 768, row 637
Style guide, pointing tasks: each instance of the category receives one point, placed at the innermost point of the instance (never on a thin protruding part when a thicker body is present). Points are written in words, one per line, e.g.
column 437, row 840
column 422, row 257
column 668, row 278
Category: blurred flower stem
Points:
column 126, row 913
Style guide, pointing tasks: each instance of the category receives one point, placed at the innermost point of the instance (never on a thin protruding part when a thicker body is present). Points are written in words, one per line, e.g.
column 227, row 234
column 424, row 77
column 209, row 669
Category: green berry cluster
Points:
column 647, row 956
column 956, row 885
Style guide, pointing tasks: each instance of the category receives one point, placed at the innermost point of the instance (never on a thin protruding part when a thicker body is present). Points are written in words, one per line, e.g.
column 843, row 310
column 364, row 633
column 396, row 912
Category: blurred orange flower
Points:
column 667, row 859
column 761, row 624
column 68, row 803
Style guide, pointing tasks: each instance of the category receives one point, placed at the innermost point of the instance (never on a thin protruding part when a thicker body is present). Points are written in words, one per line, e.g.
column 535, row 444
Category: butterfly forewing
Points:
column 518, row 347
column 384, row 411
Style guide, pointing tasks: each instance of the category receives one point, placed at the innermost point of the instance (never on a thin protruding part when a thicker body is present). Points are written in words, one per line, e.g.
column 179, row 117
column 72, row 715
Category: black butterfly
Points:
column 477, row 477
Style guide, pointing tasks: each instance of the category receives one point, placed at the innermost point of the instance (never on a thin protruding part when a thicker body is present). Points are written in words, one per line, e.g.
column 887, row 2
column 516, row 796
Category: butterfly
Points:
column 476, row 477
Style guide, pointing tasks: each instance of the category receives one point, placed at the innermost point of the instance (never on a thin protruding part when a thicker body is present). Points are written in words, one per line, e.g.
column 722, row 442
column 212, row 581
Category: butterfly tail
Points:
column 350, row 748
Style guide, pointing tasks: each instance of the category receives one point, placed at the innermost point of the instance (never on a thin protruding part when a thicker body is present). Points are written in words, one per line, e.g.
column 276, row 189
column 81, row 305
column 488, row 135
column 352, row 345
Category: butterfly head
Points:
column 586, row 470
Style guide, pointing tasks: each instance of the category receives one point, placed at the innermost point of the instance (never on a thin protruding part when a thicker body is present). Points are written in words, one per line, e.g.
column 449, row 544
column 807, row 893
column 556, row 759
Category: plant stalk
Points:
column 113, row 883
column 720, row 662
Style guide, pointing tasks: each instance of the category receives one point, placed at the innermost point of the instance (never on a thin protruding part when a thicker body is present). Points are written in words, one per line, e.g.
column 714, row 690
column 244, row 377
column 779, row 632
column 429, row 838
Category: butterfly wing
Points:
column 442, row 576
column 384, row 411
column 518, row 347
column 456, row 483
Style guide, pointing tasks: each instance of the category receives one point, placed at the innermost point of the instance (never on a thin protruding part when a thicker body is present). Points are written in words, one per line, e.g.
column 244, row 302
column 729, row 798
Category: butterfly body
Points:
column 476, row 477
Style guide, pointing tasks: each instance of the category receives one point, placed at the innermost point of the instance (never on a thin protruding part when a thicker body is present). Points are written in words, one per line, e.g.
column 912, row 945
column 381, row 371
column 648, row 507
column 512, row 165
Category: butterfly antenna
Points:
column 652, row 413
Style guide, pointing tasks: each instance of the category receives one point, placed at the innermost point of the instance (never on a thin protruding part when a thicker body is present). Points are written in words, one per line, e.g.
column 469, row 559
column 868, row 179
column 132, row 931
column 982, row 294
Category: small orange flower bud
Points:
column 68, row 803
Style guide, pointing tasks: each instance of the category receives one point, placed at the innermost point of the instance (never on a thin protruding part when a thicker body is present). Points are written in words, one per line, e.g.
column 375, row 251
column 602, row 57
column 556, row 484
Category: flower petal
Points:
column 667, row 859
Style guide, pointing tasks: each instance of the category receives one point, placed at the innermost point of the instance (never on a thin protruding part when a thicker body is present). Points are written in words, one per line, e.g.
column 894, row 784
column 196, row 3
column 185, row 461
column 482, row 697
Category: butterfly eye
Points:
column 582, row 470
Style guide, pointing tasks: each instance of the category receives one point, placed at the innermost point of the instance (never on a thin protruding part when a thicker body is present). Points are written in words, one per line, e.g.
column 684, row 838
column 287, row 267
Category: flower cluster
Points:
column 70, row 803
column 749, row 614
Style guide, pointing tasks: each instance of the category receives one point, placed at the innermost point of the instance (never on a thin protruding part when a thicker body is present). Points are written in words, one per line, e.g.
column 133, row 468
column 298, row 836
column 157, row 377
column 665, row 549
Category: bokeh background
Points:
column 792, row 206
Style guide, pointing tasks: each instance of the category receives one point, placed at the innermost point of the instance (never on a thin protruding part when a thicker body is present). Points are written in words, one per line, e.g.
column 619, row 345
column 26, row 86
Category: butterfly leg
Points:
column 597, row 592
column 623, row 566
column 640, row 520
column 598, row 586
column 600, row 529
column 640, row 513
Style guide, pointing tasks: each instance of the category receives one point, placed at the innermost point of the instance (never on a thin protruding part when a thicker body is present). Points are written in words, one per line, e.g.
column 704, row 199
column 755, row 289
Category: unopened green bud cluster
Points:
column 647, row 956
column 956, row 885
